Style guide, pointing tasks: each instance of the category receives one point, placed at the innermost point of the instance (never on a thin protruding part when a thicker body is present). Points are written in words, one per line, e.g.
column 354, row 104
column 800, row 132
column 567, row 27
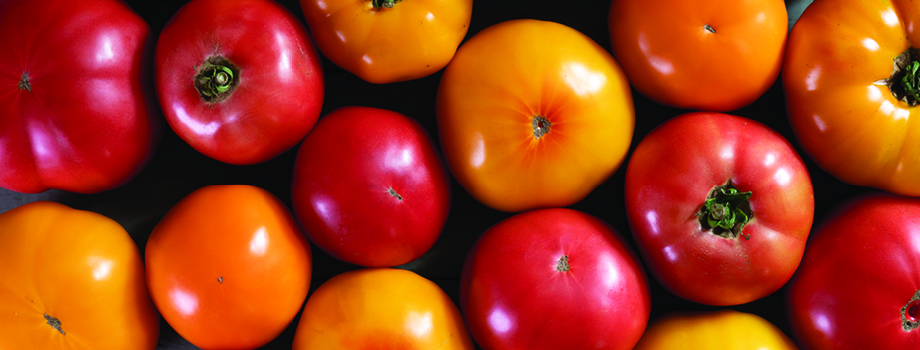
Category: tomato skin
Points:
column 488, row 100
column 854, row 129
column 670, row 56
column 411, row 40
column 725, row 329
column 343, row 175
column 860, row 269
column 228, row 268
column 280, row 91
column 514, row 296
column 667, row 180
column 377, row 309
column 87, row 121
column 79, row 267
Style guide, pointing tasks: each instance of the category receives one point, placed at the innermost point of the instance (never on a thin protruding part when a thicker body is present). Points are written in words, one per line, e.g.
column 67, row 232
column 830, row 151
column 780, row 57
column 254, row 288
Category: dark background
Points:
column 176, row 169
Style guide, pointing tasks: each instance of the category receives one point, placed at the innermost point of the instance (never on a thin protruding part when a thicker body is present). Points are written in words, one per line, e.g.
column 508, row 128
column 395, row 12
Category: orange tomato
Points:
column 228, row 267
column 837, row 62
column 408, row 40
column 71, row 279
column 727, row 329
column 533, row 114
column 713, row 55
column 381, row 309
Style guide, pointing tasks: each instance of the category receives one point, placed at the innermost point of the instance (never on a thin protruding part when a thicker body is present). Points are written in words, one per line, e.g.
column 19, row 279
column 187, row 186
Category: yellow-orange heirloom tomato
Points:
column 726, row 329
column 71, row 279
column 374, row 309
column 408, row 40
column 839, row 56
column 533, row 114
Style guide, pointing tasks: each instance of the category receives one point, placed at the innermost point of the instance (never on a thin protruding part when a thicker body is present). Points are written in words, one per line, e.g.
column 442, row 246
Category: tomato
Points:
column 553, row 279
column 381, row 309
column 71, row 279
column 369, row 187
column 228, row 268
column 726, row 329
column 859, row 284
column 533, row 114
column 76, row 112
column 700, row 54
column 238, row 80
column 691, row 183
column 836, row 73
column 385, row 41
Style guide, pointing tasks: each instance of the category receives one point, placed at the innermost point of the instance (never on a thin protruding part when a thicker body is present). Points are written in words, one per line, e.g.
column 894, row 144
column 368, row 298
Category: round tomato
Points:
column 370, row 188
column 553, row 279
column 381, row 309
column 720, row 207
column 851, row 83
column 71, row 279
column 238, row 80
column 385, row 41
column 228, row 268
column 76, row 112
column 726, row 329
column 700, row 54
column 859, row 284
column 533, row 114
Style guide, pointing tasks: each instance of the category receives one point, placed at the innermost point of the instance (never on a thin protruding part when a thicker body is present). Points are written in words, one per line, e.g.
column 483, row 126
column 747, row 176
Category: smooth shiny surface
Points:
column 85, row 125
column 228, row 267
column 668, row 178
column 79, row 267
column 381, row 309
column 411, row 40
column 504, row 77
column 280, row 91
column 726, row 329
column 852, row 127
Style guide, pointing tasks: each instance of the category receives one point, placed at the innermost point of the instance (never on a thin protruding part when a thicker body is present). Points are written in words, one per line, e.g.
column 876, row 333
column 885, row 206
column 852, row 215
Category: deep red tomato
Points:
column 228, row 268
column 238, row 80
column 76, row 112
column 691, row 183
column 370, row 188
column 553, row 279
column 859, row 284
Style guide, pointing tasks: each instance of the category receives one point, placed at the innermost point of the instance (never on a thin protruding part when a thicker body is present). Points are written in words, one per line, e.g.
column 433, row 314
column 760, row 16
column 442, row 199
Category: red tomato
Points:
column 707, row 253
column 370, row 188
column 553, row 279
column 238, row 80
column 228, row 268
column 859, row 284
column 75, row 109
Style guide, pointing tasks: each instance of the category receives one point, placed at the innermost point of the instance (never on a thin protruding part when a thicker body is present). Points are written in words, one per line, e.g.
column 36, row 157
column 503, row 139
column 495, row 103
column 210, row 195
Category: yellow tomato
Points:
column 727, row 329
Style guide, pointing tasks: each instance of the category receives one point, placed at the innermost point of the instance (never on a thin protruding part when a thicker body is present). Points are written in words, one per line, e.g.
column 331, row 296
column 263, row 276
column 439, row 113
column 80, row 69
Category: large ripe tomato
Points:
column 71, row 279
column 859, row 284
column 848, row 110
column 720, row 206
column 726, row 329
column 76, row 112
column 370, row 188
column 533, row 114
column 381, row 309
column 228, row 267
column 553, row 279
column 238, row 80
column 714, row 55
column 385, row 41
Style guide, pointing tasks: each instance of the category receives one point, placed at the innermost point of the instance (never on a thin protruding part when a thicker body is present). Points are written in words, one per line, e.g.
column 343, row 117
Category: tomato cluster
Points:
column 416, row 174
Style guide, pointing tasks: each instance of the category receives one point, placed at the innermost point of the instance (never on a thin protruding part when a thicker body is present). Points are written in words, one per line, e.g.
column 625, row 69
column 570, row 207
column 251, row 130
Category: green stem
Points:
column 726, row 211
column 911, row 80
column 216, row 79
column 379, row 4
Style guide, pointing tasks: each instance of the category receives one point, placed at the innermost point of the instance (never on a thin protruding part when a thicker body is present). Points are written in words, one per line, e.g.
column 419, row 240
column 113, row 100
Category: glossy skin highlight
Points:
column 725, row 329
column 79, row 267
column 84, row 123
column 853, row 128
column 228, row 267
column 504, row 77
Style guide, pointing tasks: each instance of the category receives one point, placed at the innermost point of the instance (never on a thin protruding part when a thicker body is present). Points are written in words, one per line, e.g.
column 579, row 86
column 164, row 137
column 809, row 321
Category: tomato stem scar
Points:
column 55, row 323
column 725, row 211
column 393, row 193
column 709, row 28
column 563, row 264
column 216, row 79
column 904, row 81
column 540, row 126
column 910, row 313
column 379, row 4
column 24, row 83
